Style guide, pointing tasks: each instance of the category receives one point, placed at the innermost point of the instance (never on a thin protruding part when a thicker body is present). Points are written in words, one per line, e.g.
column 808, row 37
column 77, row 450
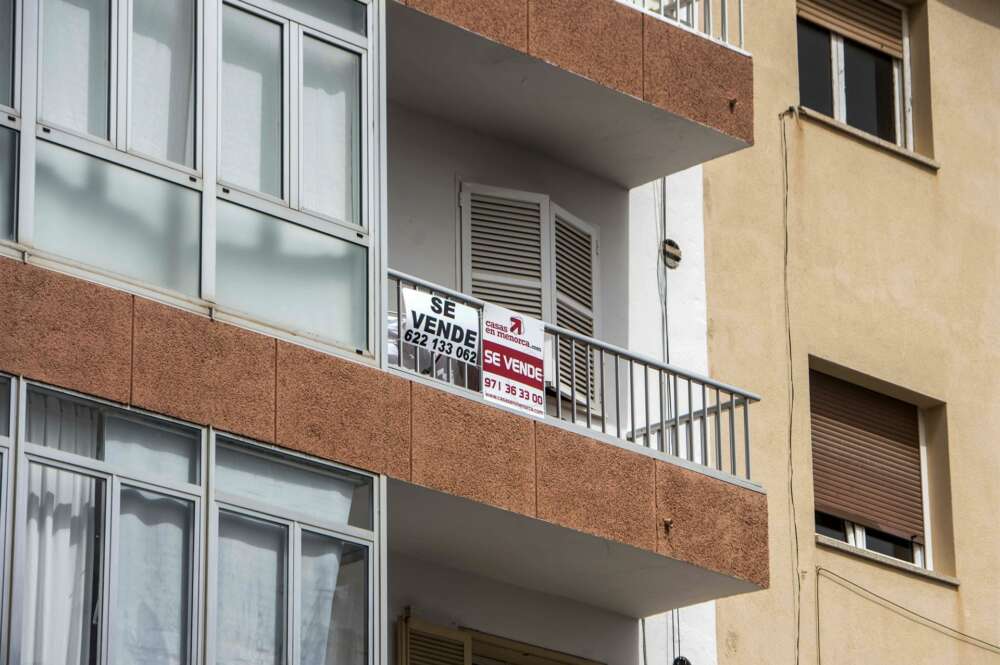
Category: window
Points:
column 109, row 521
column 116, row 545
column 852, row 64
column 220, row 148
column 522, row 251
column 291, row 168
column 867, row 465
column 291, row 581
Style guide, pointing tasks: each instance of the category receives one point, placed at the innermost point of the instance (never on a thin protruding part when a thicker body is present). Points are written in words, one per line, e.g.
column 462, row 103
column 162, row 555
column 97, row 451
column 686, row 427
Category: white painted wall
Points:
column 451, row 598
column 429, row 157
column 688, row 331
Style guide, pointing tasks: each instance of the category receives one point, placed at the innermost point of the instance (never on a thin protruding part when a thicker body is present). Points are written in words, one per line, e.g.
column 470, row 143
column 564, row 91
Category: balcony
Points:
column 604, row 391
column 625, row 93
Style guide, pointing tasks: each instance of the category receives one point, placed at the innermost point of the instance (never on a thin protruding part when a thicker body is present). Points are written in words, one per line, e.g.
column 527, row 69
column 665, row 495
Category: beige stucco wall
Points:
column 894, row 272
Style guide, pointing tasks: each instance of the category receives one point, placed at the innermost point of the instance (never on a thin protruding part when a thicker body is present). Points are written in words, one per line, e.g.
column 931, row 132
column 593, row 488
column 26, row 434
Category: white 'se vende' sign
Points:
column 440, row 325
column 513, row 360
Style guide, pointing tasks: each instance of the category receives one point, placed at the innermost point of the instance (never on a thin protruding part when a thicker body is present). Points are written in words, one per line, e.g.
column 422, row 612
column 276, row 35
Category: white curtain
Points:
column 251, row 595
column 61, row 603
column 151, row 613
column 75, row 60
column 163, row 79
column 252, row 569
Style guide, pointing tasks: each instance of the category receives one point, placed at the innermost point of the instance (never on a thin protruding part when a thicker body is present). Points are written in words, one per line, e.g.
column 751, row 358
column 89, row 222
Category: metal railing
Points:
column 606, row 389
column 721, row 20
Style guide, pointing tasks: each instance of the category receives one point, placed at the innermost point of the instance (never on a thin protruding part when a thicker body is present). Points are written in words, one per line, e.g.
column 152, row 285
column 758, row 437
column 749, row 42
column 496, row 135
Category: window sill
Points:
column 824, row 119
column 834, row 544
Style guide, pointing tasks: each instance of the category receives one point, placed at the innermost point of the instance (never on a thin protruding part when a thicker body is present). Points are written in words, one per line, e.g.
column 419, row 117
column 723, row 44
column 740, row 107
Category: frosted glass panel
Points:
column 75, row 64
column 151, row 448
column 347, row 14
column 63, row 554
column 291, row 275
column 334, row 601
column 7, row 52
column 121, row 220
column 291, row 487
column 163, row 79
column 152, row 611
column 251, row 126
column 8, row 166
column 251, row 597
column 331, row 127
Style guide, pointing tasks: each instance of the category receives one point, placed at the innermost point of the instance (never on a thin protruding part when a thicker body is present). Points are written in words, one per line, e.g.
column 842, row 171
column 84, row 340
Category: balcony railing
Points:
column 605, row 389
column 721, row 20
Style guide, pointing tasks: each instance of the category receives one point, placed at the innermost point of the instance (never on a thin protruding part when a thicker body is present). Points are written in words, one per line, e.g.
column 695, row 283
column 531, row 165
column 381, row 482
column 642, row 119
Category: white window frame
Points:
column 902, row 92
column 114, row 479
column 16, row 454
column 6, row 514
column 25, row 119
column 295, row 524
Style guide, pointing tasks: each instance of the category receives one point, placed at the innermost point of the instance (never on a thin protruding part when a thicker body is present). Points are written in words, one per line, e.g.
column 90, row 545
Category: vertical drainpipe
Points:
column 663, row 266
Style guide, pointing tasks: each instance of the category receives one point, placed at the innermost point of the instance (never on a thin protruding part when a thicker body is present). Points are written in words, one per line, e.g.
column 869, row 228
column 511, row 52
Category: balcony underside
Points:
column 446, row 71
column 532, row 554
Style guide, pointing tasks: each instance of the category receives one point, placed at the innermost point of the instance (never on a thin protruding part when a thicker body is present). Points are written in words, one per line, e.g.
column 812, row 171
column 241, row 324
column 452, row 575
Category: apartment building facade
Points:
column 220, row 441
column 863, row 227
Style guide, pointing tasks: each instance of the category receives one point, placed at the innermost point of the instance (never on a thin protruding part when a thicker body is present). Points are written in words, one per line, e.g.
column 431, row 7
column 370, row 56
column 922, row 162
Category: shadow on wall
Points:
column 987, row 11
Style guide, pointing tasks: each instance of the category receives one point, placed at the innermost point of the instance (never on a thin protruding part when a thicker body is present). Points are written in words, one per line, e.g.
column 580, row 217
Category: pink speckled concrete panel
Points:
column 695, row 78
column 714, row 524
column 468, row 449
column 343, row 411
column 598, row 39
column 65, row 331
column 502, row 21
column 595, row 487
column 204, row 371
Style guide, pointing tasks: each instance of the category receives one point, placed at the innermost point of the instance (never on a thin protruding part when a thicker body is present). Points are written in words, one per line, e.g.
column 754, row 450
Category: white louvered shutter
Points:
column 575, row 249
column 420, row 643
column 504, row 248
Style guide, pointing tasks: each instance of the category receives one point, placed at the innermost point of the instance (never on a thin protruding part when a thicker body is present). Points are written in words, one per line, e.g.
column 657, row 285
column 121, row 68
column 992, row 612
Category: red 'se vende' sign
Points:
column 513, row 360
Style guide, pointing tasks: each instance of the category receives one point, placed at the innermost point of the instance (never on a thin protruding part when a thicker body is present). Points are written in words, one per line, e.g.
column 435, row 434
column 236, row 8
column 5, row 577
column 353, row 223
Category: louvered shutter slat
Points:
column 421, row 643
column 574, row 277
column 870, row 22
column 505, row 245
column 866, row 457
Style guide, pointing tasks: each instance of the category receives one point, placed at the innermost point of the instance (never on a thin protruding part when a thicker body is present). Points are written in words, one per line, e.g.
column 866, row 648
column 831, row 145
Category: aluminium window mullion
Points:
column 210, row 48
column 110, row 572
column 294, row 596
column 121, row 80
column 28, row 84
column 286, row 109
column 116, row 73
column 294, row 123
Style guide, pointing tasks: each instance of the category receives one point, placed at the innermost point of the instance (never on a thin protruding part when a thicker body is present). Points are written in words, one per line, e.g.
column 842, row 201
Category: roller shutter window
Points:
column 869, row 22
column 575, row 244
column 866, row 457
column 420, row 643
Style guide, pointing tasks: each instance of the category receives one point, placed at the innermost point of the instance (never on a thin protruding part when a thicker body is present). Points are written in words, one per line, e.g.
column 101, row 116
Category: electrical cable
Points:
column 797, row 582
column 864, row 591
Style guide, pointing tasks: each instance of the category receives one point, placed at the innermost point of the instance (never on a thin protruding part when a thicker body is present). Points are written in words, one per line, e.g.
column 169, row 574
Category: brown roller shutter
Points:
column 866, row 457
column 870, row 22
